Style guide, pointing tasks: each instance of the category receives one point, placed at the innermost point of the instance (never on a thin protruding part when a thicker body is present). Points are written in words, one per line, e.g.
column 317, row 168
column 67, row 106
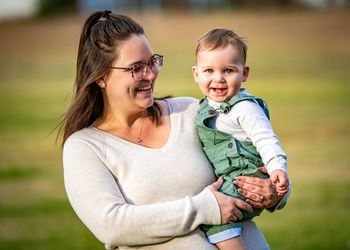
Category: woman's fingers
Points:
column 229, row 206
column 238, row 204
column 256, row 204
column 216, row 185
column 250, row 195
column 250, row 186
column 235, row 206
column 233, row 219
column 243, row 205
column 236, row 213
column 228, row 209
column 255, row 181
column 259, row 195
column 249, row 191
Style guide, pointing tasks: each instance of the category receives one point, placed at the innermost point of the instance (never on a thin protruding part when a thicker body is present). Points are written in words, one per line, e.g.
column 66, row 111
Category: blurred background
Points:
column 299, row 54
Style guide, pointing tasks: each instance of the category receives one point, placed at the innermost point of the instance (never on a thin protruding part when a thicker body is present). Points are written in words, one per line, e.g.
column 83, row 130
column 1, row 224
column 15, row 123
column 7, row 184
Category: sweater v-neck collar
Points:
column 132, row 144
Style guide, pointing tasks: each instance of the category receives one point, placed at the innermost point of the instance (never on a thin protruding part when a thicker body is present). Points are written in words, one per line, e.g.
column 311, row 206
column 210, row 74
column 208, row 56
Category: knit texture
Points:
column 137, row 197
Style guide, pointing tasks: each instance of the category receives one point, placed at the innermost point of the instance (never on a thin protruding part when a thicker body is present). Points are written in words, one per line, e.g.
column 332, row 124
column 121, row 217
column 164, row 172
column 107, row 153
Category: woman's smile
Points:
column 144, row 90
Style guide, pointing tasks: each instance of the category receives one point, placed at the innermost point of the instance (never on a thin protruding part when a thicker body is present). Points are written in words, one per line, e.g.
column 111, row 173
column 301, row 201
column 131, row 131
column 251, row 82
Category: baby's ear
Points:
column 245, row 73
column 195, row 73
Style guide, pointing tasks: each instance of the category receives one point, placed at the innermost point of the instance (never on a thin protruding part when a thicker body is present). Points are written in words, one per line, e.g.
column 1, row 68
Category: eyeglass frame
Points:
column 159, row 57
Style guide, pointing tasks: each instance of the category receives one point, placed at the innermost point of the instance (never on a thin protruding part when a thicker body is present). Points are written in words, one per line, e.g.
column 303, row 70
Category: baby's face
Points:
column 219, row 73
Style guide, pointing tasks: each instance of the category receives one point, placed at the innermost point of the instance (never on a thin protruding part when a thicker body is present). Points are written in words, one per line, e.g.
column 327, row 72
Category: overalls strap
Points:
column 208, row 135
column 226, row 106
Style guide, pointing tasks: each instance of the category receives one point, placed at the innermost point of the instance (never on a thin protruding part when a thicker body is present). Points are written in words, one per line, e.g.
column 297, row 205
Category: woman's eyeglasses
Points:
column 139, row 70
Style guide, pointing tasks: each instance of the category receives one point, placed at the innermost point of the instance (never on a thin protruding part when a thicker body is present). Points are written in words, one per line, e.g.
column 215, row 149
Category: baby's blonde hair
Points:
column 220, row 38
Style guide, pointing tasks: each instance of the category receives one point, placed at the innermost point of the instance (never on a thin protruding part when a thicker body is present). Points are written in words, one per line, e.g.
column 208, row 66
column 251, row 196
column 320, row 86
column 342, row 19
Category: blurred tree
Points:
column 260, row 3
column 175, row 4
column 49, row 7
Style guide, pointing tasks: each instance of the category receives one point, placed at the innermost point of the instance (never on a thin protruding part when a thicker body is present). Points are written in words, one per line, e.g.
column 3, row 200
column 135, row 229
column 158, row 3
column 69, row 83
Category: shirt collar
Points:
column 216, row 105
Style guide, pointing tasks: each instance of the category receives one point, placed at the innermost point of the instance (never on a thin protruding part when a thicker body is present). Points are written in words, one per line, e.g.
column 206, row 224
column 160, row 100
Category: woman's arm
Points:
column 99, row 202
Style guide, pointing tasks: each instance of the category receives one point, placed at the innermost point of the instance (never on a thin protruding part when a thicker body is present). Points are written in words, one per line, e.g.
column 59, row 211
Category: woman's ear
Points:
column 245, row 73
column 101, row 82
column 195, row 73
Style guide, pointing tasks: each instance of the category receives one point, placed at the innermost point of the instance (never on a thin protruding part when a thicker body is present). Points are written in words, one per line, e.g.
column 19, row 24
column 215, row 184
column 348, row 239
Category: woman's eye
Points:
column 137, row 68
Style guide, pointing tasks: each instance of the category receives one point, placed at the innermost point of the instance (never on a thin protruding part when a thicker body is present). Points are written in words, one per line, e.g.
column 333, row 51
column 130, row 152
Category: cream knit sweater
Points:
column 137, row 197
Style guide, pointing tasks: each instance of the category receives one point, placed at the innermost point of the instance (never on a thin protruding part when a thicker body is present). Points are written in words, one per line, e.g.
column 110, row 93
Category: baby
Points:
column 234, row 126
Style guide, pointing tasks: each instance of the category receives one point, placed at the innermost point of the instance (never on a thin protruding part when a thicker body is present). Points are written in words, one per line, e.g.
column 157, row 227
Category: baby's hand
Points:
column 280, row 179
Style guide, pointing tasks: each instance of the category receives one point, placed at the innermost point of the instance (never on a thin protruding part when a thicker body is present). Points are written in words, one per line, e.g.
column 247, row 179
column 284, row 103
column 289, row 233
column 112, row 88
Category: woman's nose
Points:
column 149, row 74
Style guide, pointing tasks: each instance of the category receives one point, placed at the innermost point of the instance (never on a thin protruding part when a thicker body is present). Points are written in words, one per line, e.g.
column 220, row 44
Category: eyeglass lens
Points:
column 139, row 71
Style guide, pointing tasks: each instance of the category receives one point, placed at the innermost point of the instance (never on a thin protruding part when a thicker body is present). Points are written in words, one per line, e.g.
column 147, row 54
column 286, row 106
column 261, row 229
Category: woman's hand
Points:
column 261, row 193
column 228, row 205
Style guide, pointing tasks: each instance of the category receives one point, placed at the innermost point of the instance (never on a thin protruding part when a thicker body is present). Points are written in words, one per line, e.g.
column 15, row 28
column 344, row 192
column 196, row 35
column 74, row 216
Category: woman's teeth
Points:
column 144, row 88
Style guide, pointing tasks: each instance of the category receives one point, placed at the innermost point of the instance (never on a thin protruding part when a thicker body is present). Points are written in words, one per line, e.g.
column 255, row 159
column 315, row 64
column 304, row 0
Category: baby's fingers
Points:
column 283, row 181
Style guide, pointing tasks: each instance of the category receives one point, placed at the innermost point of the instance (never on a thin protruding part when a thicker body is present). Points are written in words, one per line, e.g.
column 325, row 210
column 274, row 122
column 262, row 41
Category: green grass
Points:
column 299, row 64
column 316, row 217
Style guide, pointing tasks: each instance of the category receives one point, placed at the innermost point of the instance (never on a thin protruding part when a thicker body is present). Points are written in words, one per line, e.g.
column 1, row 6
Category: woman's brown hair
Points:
column 98, row 49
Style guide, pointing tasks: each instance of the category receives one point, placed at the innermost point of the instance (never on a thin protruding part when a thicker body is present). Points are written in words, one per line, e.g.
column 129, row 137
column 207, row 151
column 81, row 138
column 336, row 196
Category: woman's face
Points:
column 122, row 90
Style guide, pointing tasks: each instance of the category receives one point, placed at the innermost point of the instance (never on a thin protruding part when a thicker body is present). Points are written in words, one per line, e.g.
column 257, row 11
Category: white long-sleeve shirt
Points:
column 137, row 197
column 247, row 121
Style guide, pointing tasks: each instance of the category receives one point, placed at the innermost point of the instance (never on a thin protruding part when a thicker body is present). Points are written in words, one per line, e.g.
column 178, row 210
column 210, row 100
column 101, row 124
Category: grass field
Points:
column 300, row 64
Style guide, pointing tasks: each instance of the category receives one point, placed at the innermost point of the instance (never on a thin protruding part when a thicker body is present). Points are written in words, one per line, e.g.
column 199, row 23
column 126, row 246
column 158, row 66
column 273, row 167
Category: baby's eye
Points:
column 228, row 70
column 209, row 70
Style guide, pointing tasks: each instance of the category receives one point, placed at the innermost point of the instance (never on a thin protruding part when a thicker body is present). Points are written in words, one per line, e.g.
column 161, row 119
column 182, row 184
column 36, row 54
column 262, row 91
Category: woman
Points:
column 133, row 166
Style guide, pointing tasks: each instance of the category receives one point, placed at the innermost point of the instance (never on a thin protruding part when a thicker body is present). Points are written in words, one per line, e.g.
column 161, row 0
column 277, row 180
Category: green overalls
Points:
column 230, row 158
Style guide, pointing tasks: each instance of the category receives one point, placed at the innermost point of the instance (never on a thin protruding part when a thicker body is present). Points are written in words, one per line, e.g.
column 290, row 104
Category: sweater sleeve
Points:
column 258, row 128
column 98, row 201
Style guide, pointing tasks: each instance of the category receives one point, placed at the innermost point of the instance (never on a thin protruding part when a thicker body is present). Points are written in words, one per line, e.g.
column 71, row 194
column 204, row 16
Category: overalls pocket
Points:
column 218, row 156
column 249, row 159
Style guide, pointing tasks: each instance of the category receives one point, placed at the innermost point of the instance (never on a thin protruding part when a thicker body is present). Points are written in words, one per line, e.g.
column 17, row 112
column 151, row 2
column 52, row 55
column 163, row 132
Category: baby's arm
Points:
column 256, row 125
column 280, row 179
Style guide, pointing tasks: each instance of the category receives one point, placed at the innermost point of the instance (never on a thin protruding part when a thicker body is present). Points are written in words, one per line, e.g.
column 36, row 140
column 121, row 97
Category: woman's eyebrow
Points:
column 137, row 62
column 133, row 63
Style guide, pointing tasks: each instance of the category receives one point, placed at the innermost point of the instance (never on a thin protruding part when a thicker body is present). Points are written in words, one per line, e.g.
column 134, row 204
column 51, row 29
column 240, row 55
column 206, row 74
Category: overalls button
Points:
column 230, row 145
column 211, row 112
